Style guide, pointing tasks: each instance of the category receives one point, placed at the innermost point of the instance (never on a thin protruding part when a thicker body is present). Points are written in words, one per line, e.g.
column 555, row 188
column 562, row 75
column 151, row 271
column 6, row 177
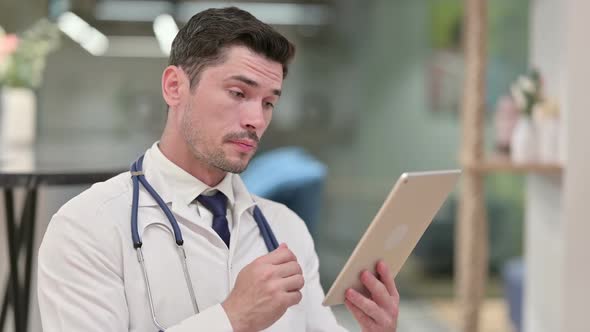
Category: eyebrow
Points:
column 251, row 83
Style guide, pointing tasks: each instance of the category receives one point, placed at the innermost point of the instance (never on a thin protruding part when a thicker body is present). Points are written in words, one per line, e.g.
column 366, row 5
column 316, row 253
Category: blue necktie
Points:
column 217, row 204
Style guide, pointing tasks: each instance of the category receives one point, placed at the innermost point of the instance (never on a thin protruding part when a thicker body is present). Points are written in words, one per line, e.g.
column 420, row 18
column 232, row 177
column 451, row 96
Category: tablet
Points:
column 394, row 232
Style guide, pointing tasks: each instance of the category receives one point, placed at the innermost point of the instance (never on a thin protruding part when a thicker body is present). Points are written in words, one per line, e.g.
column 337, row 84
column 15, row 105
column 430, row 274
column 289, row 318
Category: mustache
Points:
column 246, row 134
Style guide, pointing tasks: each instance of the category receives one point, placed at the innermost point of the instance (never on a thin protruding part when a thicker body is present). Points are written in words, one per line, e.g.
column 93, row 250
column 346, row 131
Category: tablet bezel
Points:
column 433, row 188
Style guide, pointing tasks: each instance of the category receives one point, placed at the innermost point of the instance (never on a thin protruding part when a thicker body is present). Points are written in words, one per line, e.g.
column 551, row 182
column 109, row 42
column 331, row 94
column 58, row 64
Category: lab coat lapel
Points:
column 242, row 209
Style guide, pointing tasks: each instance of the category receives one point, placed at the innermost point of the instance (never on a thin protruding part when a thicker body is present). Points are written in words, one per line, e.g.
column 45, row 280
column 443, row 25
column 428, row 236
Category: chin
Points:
column 239, row 158
column 234, row 165
column 241, row 166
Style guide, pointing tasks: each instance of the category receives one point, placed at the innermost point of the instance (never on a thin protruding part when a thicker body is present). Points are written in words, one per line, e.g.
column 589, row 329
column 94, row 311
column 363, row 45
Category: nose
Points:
column 255, row 118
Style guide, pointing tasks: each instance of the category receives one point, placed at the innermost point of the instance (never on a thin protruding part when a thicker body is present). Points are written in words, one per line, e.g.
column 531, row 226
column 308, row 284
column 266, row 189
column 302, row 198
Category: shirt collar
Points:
column 175, row 184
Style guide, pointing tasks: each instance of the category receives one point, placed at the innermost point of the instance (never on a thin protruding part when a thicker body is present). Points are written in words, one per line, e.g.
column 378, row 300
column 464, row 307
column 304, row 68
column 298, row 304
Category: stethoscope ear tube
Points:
column 265, row 231
column 135, row 203
column 137, row 175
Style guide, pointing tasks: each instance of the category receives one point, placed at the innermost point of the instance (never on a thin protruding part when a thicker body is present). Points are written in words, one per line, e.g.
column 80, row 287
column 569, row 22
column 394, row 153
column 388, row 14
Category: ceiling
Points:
column 135, row 17
column 127, row 28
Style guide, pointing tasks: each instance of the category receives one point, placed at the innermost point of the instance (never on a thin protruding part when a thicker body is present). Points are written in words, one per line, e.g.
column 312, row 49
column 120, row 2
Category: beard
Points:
column 204, row 149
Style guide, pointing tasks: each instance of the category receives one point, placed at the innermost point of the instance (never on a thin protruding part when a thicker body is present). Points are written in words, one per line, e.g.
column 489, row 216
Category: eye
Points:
column 237, row 94
column 269, row 105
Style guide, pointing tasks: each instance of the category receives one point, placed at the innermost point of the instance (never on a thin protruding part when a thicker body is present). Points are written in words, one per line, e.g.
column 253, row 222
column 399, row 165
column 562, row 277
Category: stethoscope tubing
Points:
column 138, row 178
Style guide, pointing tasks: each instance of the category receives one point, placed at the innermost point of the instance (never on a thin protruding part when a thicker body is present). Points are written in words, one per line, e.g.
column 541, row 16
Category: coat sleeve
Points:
column 319, row 318
column 80, row 285
column 80, row 282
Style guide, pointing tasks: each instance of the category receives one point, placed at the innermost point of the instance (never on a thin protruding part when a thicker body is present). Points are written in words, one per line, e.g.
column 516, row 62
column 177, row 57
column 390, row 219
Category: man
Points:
column 224, row 79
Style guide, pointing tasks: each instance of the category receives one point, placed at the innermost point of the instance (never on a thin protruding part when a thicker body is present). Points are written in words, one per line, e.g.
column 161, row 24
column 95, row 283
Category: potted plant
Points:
column 526, row 92
column 22, row 62
column 546, row 116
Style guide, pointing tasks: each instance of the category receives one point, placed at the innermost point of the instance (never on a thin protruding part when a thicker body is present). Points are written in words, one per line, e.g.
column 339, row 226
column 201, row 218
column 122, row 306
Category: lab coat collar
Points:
column 179, row 189
column 244, row 199
column 173, row 184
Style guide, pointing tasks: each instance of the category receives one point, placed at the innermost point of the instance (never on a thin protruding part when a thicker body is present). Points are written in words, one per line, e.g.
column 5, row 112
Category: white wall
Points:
column 576, row 193
column 543, row 228
column 556, row 291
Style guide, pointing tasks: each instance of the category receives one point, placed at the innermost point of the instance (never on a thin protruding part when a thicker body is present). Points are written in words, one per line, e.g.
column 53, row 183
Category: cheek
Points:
column 213, row 110
column 268, row 118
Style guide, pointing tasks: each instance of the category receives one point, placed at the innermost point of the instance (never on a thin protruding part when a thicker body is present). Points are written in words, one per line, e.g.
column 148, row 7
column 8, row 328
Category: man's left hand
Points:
column 377, row 313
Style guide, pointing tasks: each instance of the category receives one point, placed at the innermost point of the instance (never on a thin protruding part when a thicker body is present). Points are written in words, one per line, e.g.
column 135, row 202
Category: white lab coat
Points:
column 89, row 278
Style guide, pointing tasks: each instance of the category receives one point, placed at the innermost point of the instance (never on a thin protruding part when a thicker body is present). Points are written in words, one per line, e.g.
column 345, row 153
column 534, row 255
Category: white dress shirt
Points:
column 89, row 278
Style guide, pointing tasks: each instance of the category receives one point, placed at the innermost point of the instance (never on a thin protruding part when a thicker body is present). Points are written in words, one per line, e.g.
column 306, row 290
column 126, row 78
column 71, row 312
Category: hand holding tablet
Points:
column 394, row 232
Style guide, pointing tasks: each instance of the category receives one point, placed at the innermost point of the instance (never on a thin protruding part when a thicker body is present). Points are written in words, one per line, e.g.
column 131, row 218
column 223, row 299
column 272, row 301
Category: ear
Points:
column 175, row 86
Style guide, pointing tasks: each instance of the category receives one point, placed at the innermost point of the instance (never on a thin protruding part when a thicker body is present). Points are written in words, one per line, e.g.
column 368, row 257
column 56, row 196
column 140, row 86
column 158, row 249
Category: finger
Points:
column 379, row 293
column 288, row 269
column 395, row 294
column 364, row 321
column 386, row 278
column 280, row 255
column 395, row 301
column 367, row 306
column 292, row 298
column 292, row 283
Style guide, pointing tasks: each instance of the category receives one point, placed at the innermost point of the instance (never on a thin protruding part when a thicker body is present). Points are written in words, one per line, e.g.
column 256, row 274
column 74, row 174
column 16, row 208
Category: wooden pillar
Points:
column 471, row 251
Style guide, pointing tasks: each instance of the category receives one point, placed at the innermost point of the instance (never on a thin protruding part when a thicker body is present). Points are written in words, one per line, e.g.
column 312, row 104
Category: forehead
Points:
column 239, row 60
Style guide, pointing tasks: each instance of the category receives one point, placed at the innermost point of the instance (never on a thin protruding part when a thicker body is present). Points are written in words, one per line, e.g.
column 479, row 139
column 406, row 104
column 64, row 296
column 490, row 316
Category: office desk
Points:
column 28, row 169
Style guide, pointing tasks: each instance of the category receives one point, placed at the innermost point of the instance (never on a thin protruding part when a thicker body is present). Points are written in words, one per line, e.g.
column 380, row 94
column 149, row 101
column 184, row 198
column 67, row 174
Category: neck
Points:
column 177, row 150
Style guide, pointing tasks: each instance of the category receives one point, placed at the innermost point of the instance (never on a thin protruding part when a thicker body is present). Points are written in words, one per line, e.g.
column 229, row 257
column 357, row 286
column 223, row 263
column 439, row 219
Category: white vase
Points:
column 523, row 143
column 548, row 134
column 505, row 119
column 18, row 116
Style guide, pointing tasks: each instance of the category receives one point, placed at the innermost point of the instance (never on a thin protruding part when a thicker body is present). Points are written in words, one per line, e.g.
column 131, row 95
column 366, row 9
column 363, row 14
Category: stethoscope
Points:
column 138, row 177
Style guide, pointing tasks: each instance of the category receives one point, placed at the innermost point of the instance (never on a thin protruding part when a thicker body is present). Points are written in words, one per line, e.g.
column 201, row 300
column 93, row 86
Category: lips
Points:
column 248, row 143
column 244, row 145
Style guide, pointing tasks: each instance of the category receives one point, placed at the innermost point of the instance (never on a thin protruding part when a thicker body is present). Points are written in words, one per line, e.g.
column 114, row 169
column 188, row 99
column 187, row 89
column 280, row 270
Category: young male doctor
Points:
column 223, row 273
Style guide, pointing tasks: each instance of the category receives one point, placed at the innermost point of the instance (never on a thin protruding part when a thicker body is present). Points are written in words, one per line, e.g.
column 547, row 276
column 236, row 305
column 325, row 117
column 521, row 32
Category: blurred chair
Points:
column 513, row 275
column 290, row 176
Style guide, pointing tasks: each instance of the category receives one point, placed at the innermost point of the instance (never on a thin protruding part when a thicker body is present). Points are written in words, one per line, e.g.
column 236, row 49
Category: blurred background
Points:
column 375, row 91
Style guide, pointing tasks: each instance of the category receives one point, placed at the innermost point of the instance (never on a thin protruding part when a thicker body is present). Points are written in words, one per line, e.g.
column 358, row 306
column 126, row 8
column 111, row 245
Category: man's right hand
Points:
column 264, row 290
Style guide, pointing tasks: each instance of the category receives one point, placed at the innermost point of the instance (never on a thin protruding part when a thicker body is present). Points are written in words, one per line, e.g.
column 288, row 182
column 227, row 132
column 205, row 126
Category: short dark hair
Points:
column 204, row 39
